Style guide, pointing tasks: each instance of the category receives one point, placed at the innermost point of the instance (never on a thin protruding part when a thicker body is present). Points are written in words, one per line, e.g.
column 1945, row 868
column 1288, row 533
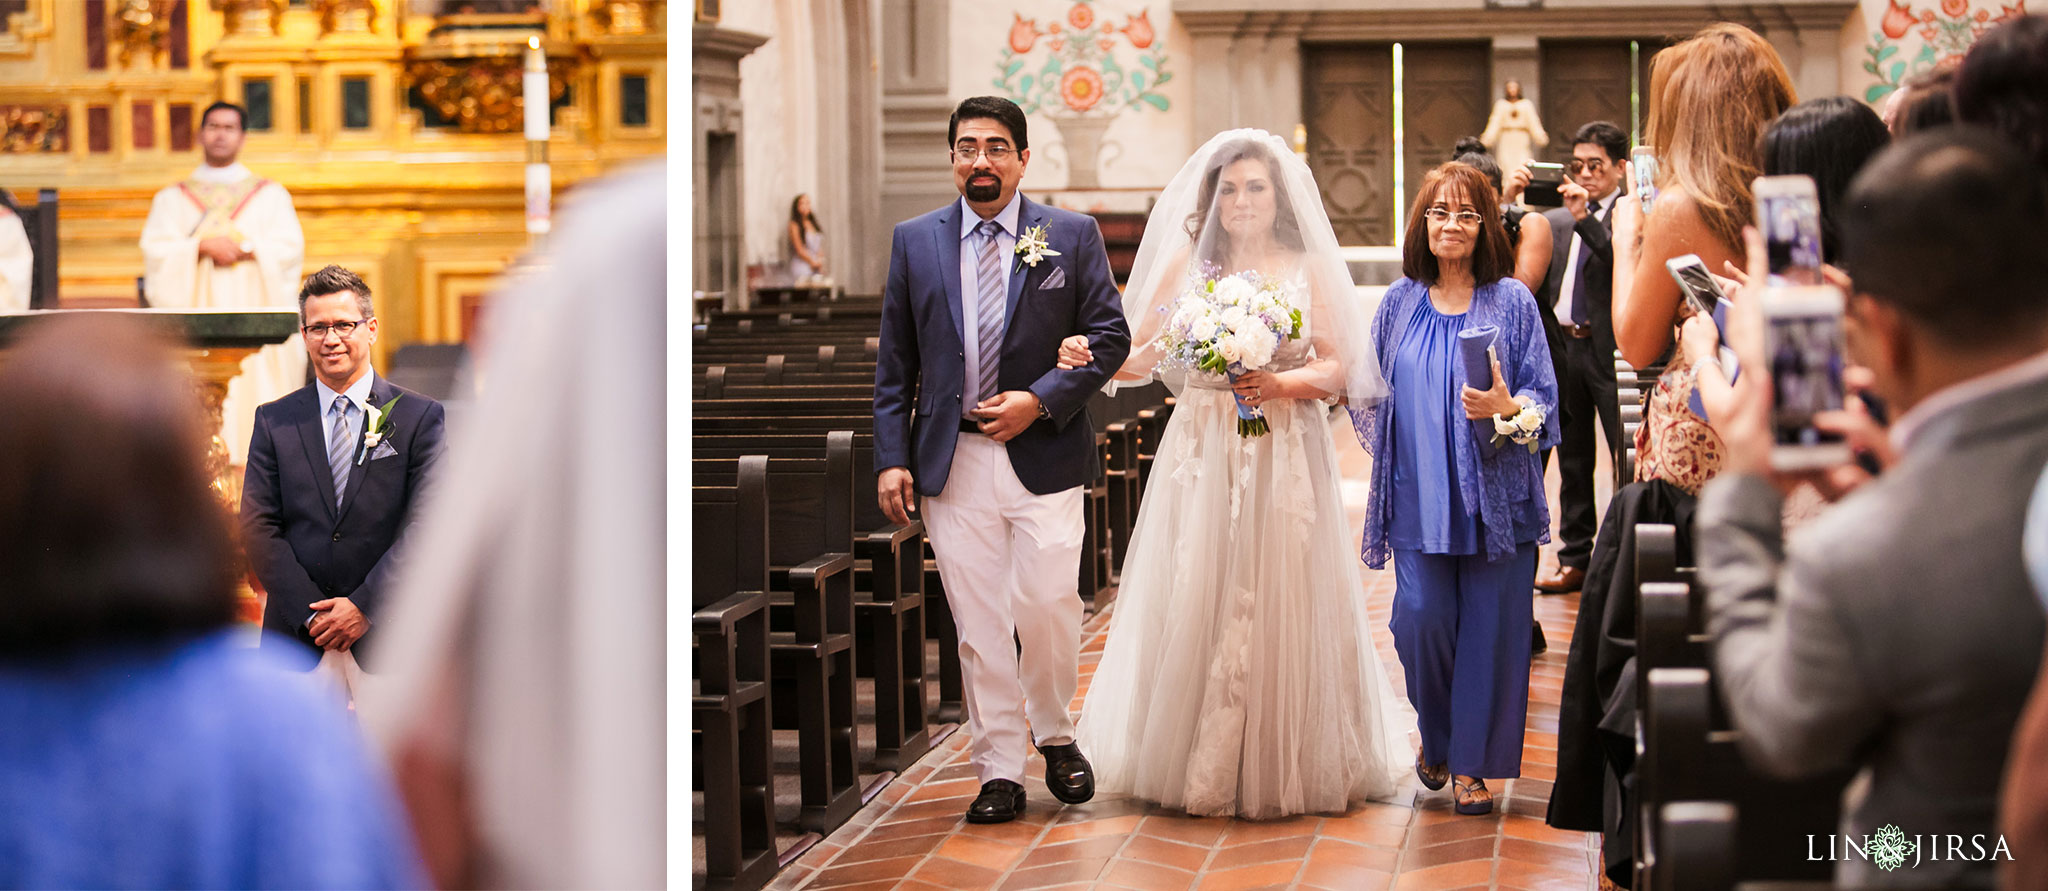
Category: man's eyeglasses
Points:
column 317, row 333
column 996, row 154
column 1462, row 218
column 1575, row 165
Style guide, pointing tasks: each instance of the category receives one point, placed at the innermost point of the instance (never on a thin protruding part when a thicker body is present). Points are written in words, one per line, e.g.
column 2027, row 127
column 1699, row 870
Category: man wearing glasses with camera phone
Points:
column 1578, row 295
column 335, row 473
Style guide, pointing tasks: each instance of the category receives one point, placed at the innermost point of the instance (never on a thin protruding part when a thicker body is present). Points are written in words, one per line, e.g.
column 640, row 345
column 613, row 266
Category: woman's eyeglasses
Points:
column 1462, row 217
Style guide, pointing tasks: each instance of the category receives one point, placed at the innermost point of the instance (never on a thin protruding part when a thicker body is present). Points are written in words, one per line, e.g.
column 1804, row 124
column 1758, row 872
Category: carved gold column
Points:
column 212, row 369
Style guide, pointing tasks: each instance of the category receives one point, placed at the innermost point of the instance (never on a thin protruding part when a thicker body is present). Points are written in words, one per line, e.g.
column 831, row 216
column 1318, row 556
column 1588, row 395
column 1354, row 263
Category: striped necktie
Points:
column 341, row 444
column 989, row 307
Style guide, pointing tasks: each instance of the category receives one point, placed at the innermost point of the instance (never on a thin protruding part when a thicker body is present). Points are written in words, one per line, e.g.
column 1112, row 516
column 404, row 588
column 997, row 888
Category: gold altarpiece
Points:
column 394, row 123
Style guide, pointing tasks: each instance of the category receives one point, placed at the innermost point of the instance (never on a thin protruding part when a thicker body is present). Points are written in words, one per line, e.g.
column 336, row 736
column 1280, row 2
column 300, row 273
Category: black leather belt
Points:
column 1580, row 332
column 970, row 426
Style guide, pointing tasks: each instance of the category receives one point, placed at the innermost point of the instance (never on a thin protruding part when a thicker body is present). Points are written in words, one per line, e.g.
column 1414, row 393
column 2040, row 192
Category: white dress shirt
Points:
column 358, row 393
column 1568, row 291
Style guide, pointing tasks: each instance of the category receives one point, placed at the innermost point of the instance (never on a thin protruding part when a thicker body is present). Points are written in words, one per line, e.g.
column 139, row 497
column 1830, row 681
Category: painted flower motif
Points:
column 1106, row 44
column 1139, row 29
column 1023, row 34
column 2012, row 13
column 1081, row 88
column 1983, row 15
column 1897, row 20
column 1080, row 16
column 1955, row 8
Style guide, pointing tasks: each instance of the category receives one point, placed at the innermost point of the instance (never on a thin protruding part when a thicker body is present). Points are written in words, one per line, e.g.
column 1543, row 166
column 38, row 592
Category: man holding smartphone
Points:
column 1897, row 634
column 1578, row 297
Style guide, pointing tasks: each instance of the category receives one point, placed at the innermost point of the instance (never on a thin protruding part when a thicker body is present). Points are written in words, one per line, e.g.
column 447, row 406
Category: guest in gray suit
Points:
column 1897, row 632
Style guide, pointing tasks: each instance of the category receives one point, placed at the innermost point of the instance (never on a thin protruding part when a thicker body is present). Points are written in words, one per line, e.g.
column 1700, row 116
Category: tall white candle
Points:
column 536, row 91
column 539, row 182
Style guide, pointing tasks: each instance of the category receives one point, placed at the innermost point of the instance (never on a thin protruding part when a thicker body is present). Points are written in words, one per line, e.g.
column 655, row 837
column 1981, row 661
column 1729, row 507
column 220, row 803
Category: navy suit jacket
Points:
column 304, row 548
column 923, row 364
column 1598, row 280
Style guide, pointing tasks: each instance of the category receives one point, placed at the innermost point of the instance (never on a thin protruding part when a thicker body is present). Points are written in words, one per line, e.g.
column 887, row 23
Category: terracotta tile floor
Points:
column 912, row 834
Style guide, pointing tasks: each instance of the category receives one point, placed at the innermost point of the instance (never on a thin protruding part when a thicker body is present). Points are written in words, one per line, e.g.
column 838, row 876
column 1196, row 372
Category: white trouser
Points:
column 1010, row 561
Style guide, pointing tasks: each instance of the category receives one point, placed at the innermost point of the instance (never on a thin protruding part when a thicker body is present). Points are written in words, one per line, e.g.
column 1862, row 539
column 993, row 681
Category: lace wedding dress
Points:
column 1240, row 675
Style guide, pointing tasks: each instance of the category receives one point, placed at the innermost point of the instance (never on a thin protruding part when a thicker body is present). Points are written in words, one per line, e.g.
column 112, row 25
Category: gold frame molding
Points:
column 29, row 28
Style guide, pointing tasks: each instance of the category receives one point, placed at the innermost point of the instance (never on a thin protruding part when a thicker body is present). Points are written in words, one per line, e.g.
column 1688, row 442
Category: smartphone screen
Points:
column 1788, row 213
column 1804, row 344
column 1643, row 161
column 1699, row 288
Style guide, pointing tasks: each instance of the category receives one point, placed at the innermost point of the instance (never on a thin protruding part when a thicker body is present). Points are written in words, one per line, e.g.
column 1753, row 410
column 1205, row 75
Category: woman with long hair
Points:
column 1240, row 676
column 806, row 241
column 1711, row 98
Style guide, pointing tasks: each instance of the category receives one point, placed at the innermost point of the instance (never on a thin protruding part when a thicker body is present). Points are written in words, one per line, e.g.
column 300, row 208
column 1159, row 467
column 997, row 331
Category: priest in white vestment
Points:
column 17, row 261
column 225, row 238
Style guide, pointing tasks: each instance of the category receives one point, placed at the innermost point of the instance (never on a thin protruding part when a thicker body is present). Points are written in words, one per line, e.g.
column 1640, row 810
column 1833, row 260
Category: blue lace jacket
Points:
column 1498, row 485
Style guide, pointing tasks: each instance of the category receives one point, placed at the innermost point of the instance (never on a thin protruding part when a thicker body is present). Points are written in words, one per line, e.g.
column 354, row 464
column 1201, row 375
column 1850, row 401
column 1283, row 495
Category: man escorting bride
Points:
column 1240, row 675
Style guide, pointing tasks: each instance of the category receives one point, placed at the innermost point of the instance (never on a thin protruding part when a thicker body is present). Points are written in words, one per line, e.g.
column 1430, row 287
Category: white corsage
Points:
column 1032, row 246
column 1522, row 429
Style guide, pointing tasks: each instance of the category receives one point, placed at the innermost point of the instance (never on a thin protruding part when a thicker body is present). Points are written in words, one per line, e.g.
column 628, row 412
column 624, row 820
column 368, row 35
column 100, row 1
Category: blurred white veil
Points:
column 1186, row 239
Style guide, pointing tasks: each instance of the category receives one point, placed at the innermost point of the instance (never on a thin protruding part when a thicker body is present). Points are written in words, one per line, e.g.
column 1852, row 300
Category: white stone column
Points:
column 1215, row 90
column 916, row 175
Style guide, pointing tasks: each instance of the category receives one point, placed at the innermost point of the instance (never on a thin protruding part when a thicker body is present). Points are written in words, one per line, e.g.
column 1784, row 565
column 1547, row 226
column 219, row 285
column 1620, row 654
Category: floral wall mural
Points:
column 1915, row 36
column 1082, row 65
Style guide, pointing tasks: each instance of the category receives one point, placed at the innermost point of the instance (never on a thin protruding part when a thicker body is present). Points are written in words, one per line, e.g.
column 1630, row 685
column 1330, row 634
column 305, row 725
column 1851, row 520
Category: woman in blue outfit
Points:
column 1460, row 509
column 144, row 741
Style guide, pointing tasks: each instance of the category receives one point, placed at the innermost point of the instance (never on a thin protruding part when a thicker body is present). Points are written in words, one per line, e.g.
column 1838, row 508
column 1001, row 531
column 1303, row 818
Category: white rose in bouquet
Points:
column 1529, row 421
column 1232, row 316
column 1234, row 291
column 1204, row 328
column 1230, row 349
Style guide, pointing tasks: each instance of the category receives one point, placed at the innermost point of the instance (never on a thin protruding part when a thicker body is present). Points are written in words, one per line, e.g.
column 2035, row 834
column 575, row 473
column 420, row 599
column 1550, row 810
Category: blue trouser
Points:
column 1458, row 626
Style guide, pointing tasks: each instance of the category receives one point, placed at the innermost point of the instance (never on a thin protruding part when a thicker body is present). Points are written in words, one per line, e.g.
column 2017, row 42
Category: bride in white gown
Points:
column 1240, row 675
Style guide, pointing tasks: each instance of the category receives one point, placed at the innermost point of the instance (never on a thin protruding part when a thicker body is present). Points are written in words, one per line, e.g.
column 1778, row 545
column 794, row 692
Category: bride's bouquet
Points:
column 1229, row 325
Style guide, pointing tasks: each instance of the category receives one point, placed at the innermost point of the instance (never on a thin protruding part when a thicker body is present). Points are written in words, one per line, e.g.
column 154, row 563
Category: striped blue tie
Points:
column 341, row 444
column 989, row 275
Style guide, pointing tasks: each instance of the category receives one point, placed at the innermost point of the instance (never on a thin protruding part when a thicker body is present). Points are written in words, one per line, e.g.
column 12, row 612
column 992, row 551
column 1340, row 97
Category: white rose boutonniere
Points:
column 1032, row 247
column 376, row 428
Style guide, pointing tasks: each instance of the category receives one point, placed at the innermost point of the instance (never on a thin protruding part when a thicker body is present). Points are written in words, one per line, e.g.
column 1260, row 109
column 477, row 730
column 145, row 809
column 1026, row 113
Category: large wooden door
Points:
column 1589, row 80
column 1349, row 93
column 1444, row 95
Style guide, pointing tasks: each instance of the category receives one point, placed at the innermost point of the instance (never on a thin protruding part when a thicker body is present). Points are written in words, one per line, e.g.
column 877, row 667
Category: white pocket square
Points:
column 383, row 450
column 1056, row 279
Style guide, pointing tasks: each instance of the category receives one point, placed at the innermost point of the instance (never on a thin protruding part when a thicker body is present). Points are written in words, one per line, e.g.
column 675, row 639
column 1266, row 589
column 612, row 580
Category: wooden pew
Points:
column 888, row 605
column 730, row 707
column 1700, row 847
column 811, row 618
column 1688, row 753
column 1687, row 750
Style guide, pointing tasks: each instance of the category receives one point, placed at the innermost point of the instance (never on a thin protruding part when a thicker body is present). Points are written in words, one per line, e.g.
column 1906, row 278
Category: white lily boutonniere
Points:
column 1032, row 246
column 377, row 427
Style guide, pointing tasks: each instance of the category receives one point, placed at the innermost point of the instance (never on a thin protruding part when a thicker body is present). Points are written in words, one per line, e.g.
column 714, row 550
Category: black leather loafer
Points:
column 1000, row 801
column 1068, row 774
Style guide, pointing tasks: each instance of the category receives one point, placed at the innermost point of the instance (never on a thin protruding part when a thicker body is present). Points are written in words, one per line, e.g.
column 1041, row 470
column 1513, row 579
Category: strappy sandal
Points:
column 1469, row 807
column 1432, row 779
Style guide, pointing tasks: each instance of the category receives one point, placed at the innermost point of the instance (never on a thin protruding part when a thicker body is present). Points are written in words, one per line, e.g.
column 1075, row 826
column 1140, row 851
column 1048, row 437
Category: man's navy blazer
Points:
column 302, row 547
column 923, row 360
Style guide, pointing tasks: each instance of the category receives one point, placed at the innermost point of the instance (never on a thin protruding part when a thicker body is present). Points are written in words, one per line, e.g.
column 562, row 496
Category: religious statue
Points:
column 1513, row 132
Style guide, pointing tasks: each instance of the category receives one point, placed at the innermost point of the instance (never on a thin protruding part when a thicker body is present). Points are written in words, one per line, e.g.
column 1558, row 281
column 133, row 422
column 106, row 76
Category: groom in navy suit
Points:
column 972, row 414
column 334, row 478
